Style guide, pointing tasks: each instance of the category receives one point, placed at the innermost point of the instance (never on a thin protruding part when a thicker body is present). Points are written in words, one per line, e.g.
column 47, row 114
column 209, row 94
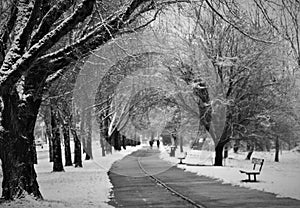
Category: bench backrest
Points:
column 257, row 161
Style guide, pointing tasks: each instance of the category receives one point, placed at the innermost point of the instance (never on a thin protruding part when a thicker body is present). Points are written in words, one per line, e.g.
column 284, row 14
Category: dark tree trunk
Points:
column 277, row 147
column 224, row 139
column 250, row 148
column 19, row 175
column 87, row 156
column 225, row 151
column 50, row 149
column 66, row 133
column 57, row 155
column 88, row 143
column 17, row 152
column 108, row 147
column 49, row 136
column 181, row 144
column 34, row 151
column 219, row 154
column 248, row 157
column 115, row 139
column 77, row 149
column 104, row 125
column 82, row 130
column 102, row 143
column 174, row 140
column 124, row 139
column 236, row 146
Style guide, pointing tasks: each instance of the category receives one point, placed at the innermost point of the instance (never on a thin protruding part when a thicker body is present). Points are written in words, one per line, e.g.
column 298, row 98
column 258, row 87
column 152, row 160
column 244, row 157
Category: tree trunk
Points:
column 226, row 152
column 115, row 139
column 66, row 133
column 108, row 147
column 82, row 130
column 104, row 125
column 219, row 154
column 19, row 175
column 49, row 137
column 236, row 146
column 172, row 140
column 87, row 156
column 102, row 143
column 124, row 141
column 248, row 157
column 277, row 149
column 57, row 156
column 77, row 149
column 181, row 143
column 88, row 142
column 17, row 153
column 250, row 148
column 50, row 149
column 224, row 139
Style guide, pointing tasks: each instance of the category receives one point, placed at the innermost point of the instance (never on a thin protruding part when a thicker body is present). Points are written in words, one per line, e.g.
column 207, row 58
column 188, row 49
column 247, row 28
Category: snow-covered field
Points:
column 281, row 178
column 76, row 187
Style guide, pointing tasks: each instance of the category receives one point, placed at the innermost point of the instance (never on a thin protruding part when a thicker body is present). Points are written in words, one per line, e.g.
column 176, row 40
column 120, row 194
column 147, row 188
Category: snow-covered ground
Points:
column 281, row 178
column 76, row 187
column 90, row 186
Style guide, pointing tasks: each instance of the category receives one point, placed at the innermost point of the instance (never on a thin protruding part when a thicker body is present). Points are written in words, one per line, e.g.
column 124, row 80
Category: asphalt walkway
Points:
column 131, row 188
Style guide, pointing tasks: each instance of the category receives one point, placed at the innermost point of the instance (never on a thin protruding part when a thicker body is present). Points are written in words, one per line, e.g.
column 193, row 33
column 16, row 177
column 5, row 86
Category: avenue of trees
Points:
column 237, row 62
column 40, row 40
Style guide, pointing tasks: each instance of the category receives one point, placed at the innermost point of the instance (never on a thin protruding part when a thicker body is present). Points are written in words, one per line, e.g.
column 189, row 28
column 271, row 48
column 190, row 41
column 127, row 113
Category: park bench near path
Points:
column 181, row 157
column 257, row 166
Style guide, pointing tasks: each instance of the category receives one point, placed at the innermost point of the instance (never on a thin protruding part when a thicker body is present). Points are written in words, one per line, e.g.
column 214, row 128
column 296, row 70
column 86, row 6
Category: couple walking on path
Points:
column 151, row 142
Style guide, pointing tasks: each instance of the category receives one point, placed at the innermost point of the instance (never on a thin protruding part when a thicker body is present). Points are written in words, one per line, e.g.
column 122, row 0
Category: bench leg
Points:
column 249, row 177
column 180, row 162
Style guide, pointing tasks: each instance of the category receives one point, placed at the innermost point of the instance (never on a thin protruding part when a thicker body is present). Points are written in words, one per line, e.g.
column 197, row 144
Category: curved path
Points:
column 142, row 179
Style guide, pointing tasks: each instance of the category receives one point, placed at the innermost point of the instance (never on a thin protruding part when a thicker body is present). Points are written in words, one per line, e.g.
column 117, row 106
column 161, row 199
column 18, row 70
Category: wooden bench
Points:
column 181, row 157
column 257, row 166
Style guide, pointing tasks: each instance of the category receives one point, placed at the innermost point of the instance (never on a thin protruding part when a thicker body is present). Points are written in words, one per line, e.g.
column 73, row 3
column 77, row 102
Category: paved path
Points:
column 132, row 188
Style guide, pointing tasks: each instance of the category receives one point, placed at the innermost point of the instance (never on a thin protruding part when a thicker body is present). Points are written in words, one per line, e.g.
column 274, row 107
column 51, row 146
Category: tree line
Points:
column 252, row 49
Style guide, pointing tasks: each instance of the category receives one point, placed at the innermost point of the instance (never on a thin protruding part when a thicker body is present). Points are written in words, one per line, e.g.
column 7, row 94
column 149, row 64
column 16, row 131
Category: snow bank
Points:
column 76, row 187
column 280, row 178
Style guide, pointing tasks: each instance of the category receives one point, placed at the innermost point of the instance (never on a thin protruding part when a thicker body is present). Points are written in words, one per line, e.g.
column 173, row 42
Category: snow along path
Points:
column 76, row 187
column 281, row 178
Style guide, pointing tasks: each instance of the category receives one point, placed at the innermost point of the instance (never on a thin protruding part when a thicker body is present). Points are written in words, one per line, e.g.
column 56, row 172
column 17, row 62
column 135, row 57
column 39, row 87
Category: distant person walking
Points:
column 151, row 143
column 157, row 143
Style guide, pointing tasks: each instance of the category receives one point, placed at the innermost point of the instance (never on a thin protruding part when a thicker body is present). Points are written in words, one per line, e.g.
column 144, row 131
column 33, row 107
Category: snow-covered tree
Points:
column 33, row 53
column 249, row 66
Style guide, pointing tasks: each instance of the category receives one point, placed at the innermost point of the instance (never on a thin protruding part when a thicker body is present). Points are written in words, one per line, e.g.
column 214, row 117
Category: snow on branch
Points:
column 6, row 30
column 105, row 30
column 24, row 24
column 49, row 19
column 23, row 63
column 99, row 35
